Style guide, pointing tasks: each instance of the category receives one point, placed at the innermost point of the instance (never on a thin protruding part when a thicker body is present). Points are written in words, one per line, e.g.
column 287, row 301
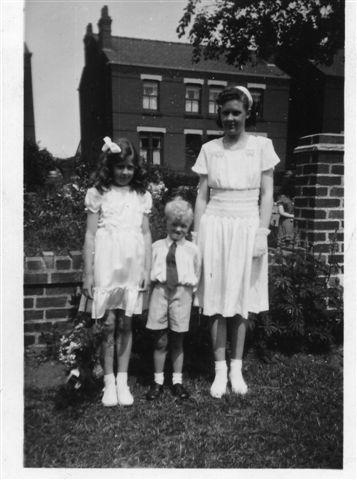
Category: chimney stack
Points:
column 105, row 30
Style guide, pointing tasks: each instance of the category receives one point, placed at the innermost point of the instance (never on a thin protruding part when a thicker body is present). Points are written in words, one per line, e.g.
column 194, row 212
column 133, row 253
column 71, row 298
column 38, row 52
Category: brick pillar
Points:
column 319, row 192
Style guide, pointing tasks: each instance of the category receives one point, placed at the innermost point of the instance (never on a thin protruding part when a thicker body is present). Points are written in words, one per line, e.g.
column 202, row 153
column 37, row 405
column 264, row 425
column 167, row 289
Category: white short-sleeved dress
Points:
column 119, row 249
column 233, row 282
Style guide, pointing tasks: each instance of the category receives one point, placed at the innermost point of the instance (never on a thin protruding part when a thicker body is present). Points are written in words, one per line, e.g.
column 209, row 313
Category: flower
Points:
column 79, row 349
column 325, row 11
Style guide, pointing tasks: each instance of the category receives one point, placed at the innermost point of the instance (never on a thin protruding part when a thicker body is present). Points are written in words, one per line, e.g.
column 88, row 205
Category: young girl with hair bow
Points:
column 117, row 256
column 232, row 215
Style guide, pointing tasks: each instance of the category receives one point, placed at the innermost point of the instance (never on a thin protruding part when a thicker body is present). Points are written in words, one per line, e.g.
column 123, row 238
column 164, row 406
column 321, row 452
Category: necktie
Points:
column 171, row 268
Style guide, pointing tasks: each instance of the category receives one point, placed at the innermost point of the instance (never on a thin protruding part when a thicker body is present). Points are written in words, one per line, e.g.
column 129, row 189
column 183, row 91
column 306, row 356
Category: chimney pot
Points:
column 105, row 29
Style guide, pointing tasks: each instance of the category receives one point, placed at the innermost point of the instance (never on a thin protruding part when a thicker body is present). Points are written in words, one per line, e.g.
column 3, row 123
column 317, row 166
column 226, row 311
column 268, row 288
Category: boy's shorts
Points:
column 170, row 310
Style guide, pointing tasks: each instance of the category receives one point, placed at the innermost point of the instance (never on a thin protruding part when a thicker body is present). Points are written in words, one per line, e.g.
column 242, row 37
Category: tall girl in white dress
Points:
column 232, row 215
column 117, row 257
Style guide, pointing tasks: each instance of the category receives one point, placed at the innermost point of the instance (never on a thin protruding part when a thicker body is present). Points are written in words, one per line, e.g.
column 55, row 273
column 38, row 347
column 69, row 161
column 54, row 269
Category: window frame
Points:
column 157, row 84
column 199, row 89
column 258, row 88
column 218, row 88
column 151, row 135
column 192, row 133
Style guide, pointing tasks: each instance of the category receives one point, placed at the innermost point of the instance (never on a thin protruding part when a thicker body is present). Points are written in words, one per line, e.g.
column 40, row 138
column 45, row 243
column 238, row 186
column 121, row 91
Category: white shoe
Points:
column 124, row 396
column 237, row 382
column 110, row 398
column 219, row 386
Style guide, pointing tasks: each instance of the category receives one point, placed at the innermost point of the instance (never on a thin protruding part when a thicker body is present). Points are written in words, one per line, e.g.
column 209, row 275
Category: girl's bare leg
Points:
column 219, row 340
column 124, row 340
column 108, row 343
column 109, row 398
column 238, row 333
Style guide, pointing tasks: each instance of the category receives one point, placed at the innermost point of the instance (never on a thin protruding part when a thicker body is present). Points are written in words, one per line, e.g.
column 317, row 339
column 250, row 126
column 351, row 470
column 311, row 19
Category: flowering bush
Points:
column 79, row 351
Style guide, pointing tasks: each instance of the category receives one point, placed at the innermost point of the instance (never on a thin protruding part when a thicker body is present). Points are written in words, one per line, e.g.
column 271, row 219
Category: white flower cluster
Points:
column 157, row 190
column 70, row 344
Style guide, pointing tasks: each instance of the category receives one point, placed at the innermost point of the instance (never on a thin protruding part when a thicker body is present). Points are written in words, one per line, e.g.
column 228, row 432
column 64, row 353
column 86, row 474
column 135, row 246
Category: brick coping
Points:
column 324, row 147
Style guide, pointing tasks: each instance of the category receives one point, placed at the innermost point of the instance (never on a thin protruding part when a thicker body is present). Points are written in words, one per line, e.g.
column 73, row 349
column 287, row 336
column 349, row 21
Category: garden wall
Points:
column 319, row 202
column 51, row 288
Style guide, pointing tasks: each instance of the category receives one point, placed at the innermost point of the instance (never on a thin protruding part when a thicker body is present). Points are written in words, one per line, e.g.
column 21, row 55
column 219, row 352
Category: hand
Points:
column 194, row 237
column 88, row 284
column 145, row 282
column 261, row 242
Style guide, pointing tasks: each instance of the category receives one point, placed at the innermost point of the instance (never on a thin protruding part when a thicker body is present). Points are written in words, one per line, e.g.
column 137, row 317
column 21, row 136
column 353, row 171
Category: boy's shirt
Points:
column 188, row 261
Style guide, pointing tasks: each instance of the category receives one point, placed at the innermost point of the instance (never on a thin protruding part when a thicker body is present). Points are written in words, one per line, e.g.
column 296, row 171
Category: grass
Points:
column 292, row 417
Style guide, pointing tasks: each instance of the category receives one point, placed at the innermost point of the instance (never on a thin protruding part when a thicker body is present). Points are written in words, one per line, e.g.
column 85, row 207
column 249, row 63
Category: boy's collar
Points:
column 179, row 242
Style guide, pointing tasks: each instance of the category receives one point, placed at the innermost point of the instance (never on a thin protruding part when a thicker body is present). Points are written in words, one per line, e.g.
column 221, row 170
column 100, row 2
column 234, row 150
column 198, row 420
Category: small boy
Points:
column 175, row 272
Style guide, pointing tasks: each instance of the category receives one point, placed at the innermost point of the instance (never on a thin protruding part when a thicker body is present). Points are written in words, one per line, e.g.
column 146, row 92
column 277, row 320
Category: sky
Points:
column 54, row 31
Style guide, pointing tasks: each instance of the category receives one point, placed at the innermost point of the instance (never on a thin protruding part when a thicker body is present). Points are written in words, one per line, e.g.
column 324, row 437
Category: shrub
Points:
column 306, row 304
column 37, row 164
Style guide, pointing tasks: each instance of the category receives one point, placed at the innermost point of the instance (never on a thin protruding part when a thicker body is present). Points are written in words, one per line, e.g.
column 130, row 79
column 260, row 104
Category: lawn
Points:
column 292, row 417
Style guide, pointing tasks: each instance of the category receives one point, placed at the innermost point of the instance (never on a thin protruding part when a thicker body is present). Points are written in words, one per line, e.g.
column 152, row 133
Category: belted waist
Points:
column 233, row 203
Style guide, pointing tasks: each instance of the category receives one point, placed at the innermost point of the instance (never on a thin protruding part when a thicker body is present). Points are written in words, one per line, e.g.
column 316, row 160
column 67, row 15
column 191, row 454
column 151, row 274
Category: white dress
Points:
column 233, row 282
column 119, row 249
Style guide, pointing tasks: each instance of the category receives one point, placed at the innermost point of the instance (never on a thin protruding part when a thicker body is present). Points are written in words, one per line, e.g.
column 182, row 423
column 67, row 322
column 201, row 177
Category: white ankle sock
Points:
column 159, row 378
column 122, row 379
column 109, row 378
column 176, row 378
column 235, row 375
column 236, row 363
column 219, row 386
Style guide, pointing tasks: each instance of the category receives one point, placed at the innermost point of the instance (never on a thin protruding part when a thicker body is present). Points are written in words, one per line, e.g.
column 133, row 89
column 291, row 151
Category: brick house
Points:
column 151, row 92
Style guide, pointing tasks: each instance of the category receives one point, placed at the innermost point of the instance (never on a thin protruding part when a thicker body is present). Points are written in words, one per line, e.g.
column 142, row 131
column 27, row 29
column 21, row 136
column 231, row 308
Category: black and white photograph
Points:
column 179, row 238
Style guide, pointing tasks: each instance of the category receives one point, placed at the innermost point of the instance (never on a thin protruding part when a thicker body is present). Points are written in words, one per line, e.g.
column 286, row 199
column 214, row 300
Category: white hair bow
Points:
column 247, row 94
column 109, row 145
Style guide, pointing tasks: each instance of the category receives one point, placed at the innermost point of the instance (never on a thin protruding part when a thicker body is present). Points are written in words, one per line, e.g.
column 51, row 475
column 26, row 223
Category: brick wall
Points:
column 51, row 284
column 319, row 198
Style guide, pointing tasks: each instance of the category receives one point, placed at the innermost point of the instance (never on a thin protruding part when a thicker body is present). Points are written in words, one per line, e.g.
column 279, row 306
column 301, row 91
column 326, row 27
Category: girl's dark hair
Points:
column 232, row 93
column 103, row 177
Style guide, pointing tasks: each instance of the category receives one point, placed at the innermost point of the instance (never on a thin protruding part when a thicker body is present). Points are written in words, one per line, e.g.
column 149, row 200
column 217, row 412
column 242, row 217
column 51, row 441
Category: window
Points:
column 150, row 95
column 258, row 98
column 151, row 147
column 192, row 149
column 213, row 94
column 193, row 98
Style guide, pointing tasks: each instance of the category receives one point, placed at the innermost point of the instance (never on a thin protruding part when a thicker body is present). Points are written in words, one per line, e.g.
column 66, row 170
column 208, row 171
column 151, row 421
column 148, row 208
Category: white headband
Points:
column 109, row 145
column 246, row 93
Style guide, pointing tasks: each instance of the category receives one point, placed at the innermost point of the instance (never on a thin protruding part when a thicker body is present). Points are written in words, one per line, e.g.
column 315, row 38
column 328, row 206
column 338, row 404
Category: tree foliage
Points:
column 309, row 29
column 37, row 163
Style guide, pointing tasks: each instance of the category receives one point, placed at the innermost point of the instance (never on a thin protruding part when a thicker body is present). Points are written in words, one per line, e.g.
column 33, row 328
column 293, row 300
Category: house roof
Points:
column 162, row 54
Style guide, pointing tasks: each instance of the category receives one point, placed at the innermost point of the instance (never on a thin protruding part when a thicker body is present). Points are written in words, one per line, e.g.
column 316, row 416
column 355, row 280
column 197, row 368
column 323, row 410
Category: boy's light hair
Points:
column 179, row 209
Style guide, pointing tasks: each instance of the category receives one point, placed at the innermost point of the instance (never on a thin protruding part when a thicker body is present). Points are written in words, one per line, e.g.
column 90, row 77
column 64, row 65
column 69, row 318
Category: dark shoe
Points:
column 179, row 391
column 154, row 392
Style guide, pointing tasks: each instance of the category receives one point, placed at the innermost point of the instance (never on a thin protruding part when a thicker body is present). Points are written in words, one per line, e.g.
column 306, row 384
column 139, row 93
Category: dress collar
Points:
column 169, row 241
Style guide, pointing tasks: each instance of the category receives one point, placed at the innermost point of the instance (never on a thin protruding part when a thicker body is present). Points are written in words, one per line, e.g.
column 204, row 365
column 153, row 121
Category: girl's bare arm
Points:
column 283, row 213
column 88, row 254
column 201, row 201
column 266, row 198
column 147, row 243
